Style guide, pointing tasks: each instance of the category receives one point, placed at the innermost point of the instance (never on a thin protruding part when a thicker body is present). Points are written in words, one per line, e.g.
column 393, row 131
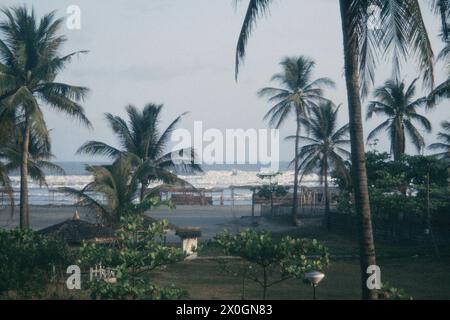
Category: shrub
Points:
column 137, row 252
column 267, row 190
column 267, row 262
column 29, row 263
column 387, row 292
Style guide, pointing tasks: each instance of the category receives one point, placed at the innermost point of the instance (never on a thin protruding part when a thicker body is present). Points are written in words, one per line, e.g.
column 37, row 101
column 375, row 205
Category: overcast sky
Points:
column 181, row 53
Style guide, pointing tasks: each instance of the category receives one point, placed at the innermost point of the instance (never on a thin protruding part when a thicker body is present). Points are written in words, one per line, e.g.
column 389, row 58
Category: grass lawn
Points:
column 411, row 268
column 422, row 278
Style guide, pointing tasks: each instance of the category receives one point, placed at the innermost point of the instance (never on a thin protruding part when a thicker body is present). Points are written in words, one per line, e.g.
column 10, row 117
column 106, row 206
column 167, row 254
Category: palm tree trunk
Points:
column 399, row 142
column 142, row 193
column 24, row 210
column 296, row 173
column 326, row 193
column 359, row 173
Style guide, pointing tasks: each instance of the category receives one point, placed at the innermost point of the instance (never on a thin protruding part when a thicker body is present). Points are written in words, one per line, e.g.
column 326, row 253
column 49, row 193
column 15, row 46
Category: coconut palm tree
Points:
column 444, row 146
column 38, row 161
column 297, row 93
column 324, row 147
column 442, row 91
column 118, row 184
column 398, row 31
column 30, row 61
column 141, row 140
column 5, row 184
column 6, row 128
column 442, row 8
column 396, row 102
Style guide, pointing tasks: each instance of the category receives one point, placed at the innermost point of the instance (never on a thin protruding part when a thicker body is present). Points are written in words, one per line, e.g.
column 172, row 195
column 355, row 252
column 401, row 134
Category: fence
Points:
column 406, row 230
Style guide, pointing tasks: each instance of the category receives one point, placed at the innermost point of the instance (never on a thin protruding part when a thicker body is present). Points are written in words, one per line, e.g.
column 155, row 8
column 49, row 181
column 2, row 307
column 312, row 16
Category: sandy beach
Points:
column 211, row 219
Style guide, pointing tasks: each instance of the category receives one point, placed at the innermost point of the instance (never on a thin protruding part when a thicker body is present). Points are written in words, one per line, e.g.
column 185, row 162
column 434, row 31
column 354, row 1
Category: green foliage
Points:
column 119, row 184
column 277, row 190
column 388, row 292
column 267, row 262
column 386, row 174
column 137, row 252
column 325, row 146
column 398, row 189
column 142, row 140
column 395, row 101
column 30, row 262
column 396, row 206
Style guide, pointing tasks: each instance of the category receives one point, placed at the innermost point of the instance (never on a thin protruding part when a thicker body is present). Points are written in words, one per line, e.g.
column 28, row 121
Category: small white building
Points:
column 189, row 240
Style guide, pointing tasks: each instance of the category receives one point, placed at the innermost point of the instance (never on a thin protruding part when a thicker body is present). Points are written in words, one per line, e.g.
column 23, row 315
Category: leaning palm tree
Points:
column 118, row 185
column 396, row 102
column 141, row 140
column 297, row 93
column 443, row 146
column 397, row 32
column 30, row 61
column 324, row 147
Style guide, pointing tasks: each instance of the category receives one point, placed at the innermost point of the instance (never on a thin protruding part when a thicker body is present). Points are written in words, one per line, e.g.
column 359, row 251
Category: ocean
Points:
column 214, row 176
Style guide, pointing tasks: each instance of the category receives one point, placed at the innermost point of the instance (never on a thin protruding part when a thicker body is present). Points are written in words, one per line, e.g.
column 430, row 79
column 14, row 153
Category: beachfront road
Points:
column 211, row 219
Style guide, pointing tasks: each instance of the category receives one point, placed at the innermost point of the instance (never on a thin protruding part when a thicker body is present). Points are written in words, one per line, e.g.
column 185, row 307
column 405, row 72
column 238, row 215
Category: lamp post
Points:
column 314, row 278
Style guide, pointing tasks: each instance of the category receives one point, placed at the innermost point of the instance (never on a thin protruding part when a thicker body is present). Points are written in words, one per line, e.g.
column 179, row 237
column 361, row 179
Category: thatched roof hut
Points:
column 74, row 231
column 188, row 232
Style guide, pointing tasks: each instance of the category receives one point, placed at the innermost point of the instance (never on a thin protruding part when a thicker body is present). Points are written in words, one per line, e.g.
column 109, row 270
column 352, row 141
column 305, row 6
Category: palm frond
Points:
column 98, row 148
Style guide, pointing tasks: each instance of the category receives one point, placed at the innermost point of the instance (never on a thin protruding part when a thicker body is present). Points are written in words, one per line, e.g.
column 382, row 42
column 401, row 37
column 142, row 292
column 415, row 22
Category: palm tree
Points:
column 398, row 32
column 298, row 93
column 444, row 146
column 442, row 91
column 5, row 183
column 396, row 102
column 6, row 128
column 118, row 184
column 38, row 160
column 324, row 148
column 29, row 64
column 141, row 140
column 442, row 8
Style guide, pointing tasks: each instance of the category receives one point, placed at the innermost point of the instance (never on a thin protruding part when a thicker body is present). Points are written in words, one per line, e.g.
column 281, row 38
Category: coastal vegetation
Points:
column 399, row 31
column 145, row 147
column 396, row 102
column 118, row 184
column 296, row 96
column 402, row 188
column 30, row 61
column 324, row 148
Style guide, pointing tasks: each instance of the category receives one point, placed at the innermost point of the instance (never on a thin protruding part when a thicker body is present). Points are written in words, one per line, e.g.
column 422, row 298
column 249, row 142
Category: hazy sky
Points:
column 181, row 53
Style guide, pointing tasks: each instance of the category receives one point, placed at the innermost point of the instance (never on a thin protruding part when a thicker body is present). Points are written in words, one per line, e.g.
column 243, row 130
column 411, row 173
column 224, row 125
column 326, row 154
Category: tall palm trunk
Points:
column 326, row 193
column 24, row 209
column 359, row 174
column 142, row 192
column 296, row 173
column 399, row 147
